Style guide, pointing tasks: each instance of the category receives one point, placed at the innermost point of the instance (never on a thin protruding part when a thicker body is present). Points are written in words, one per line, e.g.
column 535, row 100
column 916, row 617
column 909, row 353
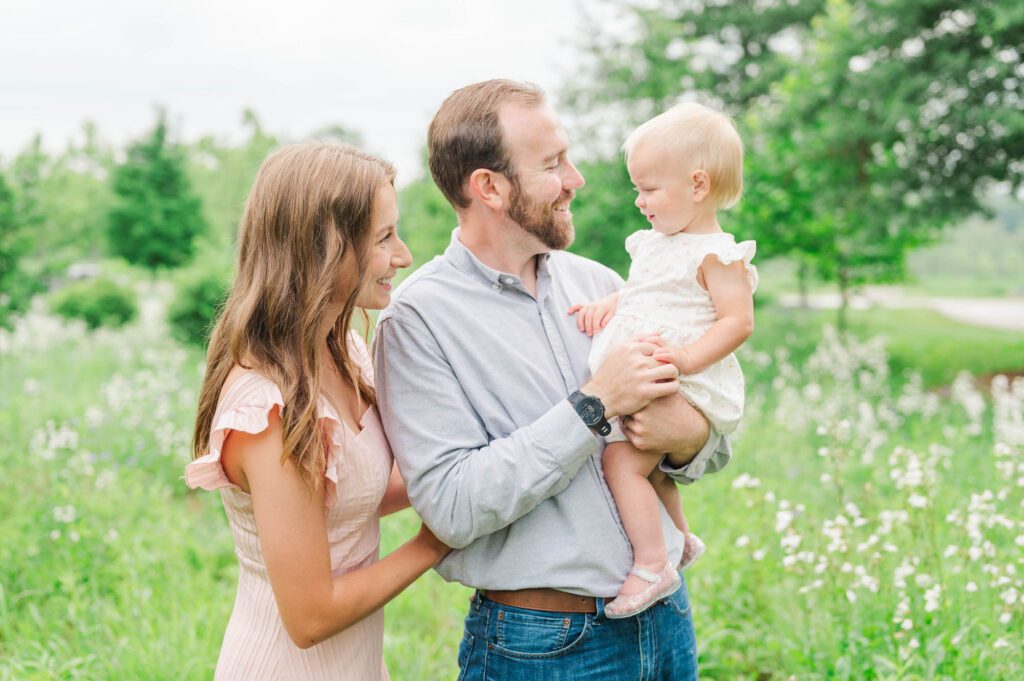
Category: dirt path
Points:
column 996, row 313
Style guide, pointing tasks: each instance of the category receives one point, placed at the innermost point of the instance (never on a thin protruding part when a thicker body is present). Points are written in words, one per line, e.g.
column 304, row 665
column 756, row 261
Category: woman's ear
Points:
column 490, row 188
column 701, row 185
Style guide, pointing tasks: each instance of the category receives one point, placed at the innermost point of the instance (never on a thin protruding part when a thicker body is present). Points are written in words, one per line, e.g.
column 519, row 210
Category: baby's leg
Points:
column 693, row 547
column 626, row 469
column 669, row 495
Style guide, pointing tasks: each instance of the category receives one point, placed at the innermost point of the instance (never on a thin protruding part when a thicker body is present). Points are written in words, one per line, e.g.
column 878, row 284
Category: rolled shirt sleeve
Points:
column 713, row 457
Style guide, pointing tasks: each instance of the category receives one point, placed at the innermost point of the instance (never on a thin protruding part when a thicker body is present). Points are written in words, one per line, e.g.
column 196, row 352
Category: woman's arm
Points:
column 293, row 535
column 734, row 310
column 395, row 496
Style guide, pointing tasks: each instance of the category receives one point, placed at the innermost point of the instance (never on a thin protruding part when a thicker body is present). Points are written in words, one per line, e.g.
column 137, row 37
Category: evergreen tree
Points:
column 155, row 218
column 16, row 287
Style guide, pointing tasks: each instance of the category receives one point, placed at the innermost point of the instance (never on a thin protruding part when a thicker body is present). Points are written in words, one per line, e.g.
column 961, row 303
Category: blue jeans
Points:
column 505, row 643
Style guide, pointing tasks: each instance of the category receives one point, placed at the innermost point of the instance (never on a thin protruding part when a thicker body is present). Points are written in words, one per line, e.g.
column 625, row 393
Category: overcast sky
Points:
column 381, row 67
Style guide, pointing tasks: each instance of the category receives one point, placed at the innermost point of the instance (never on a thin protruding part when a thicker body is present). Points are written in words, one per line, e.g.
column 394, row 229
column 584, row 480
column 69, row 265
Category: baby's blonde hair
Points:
column 703, row 138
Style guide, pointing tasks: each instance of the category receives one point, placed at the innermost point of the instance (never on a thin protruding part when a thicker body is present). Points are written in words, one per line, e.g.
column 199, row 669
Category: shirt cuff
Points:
column 713, row 457
column 567, row 439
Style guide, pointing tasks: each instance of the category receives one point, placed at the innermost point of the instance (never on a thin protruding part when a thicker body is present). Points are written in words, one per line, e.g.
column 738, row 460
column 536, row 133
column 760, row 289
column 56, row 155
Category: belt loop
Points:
column 599, row 607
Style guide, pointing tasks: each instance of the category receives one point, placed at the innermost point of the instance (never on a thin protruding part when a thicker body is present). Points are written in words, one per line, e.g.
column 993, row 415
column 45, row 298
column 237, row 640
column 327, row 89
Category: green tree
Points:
column 223, row 174
column 155, row 218
column 870, row 124
column 16, row 287
column 427, row 219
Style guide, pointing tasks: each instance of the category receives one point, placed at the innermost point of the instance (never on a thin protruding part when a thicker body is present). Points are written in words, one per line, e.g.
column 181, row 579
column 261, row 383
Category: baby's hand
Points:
column 595, row 316
column 677, row 357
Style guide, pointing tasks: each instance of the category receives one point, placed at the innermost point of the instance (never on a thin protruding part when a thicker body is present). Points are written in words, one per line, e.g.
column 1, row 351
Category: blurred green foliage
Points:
column 155, row 218
column 870, row 124
column 98, row 302
column 426, row 219
column 16, row 286
column 200, row 291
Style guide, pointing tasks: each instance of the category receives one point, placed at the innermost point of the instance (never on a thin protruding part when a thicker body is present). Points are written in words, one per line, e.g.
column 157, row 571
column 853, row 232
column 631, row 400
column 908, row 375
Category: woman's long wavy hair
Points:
column 308, row 217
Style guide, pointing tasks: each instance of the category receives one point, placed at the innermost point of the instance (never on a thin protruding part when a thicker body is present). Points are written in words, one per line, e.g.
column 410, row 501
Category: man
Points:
column 489, row 407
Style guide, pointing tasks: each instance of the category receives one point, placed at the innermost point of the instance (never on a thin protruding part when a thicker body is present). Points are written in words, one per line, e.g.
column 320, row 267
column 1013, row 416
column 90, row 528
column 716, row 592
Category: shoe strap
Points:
column 646, row 575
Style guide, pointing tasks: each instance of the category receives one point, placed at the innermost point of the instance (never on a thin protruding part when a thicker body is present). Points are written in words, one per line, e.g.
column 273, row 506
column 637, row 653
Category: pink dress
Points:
column 256, row 645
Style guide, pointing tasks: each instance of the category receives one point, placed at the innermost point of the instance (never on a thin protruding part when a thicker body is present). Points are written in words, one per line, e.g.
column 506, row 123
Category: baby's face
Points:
column 664, row 191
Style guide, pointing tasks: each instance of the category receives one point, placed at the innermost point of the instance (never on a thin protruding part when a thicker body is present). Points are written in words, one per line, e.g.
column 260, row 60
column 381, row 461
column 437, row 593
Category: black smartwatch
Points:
column 591, row 410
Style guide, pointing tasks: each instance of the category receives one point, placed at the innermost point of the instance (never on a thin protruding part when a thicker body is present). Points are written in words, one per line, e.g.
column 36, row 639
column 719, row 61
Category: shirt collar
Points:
column 466, row 261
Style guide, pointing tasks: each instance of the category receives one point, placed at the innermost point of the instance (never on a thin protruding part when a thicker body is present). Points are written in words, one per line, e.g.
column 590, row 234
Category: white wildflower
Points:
column 64, row 514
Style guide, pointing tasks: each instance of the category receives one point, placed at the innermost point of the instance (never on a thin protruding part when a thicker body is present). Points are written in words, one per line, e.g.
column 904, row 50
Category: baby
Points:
column 690, row 291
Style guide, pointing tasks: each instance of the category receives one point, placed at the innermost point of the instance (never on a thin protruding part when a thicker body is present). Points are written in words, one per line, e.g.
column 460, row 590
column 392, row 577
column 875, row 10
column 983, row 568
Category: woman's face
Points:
column 388, row 253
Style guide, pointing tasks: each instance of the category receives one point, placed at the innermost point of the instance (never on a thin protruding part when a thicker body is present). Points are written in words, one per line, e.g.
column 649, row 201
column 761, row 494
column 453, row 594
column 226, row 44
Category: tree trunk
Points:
column 844, row 298
column 801, row 282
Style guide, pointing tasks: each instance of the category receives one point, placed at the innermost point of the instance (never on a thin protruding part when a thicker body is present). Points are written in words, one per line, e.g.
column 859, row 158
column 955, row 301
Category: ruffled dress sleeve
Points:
column 246, row 407
column 634, row 240
column 728, row 251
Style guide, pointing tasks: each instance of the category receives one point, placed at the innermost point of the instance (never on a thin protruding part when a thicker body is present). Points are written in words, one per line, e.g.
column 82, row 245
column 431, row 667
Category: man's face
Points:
column 545, row 180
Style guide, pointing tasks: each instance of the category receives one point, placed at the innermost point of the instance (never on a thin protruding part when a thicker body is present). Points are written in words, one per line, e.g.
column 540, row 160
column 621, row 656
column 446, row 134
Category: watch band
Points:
column 590, row 409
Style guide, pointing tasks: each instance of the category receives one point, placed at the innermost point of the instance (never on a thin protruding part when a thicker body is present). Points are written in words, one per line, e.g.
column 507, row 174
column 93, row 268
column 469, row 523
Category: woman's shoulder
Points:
column 246, row 402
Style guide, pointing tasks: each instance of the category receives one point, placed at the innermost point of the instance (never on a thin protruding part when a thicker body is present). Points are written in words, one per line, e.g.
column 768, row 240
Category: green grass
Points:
column 916, row 340
column 136, row 581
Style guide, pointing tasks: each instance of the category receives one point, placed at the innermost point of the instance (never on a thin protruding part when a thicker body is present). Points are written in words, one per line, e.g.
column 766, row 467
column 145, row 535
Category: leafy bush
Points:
column 98, row 302
column 201, row 292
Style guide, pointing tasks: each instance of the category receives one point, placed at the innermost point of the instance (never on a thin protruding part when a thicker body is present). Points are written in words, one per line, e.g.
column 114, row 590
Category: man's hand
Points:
column 671, row 425
column 630, row 378
column 592, row 317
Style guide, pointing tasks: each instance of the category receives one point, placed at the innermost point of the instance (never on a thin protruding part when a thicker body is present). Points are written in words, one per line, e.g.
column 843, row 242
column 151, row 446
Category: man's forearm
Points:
column 462, row 482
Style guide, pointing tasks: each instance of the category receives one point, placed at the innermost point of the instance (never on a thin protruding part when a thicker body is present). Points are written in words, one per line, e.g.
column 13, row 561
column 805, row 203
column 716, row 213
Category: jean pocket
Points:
column 538, row 634
column 680, row 602
column 465, row 651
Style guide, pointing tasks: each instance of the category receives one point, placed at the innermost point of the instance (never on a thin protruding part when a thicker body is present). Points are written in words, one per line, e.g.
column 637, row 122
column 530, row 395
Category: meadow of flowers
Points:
column 870, row 526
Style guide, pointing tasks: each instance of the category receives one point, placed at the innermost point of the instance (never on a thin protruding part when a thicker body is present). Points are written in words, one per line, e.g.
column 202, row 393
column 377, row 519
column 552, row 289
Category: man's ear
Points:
column 701, row 185
column 490, row 188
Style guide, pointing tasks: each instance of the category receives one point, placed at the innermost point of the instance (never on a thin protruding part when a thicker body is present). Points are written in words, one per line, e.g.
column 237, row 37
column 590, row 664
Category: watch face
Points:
column 589, row 409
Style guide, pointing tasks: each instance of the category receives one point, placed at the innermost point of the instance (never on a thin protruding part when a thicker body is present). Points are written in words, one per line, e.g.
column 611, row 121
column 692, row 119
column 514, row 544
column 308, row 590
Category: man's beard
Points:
column 539, row 220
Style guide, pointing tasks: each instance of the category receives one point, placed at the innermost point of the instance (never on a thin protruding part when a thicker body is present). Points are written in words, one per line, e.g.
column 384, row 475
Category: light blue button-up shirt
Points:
column 472, row 375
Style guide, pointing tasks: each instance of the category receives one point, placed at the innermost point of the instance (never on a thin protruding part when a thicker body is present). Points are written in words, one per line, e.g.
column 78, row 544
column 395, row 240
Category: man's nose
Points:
column 573, row 178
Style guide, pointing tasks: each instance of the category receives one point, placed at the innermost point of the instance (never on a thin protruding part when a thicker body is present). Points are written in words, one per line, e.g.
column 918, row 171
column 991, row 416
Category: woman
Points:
column 287, row 427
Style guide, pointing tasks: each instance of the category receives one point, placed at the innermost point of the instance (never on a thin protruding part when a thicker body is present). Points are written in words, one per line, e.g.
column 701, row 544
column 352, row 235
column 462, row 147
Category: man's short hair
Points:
column 701, row 138
column 466, row 135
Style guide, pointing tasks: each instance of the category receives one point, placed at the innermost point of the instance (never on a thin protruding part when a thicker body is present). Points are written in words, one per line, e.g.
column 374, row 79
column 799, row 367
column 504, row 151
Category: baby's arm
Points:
column 595, row 316
column 734, row 306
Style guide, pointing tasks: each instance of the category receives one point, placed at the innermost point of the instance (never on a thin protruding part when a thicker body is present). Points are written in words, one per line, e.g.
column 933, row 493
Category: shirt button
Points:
column 508, row 281
column 496, row 286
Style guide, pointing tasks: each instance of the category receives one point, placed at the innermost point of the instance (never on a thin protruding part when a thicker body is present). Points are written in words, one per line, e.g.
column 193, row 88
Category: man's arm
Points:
column 673, row 425
column 463, row 485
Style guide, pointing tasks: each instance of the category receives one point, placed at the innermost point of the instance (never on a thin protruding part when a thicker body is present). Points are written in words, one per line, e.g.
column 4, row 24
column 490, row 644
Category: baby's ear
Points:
column 701, row 184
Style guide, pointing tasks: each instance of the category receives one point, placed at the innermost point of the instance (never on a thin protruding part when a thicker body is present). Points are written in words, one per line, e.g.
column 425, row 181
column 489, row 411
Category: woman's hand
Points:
column 430, row 541
column 592, row 317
